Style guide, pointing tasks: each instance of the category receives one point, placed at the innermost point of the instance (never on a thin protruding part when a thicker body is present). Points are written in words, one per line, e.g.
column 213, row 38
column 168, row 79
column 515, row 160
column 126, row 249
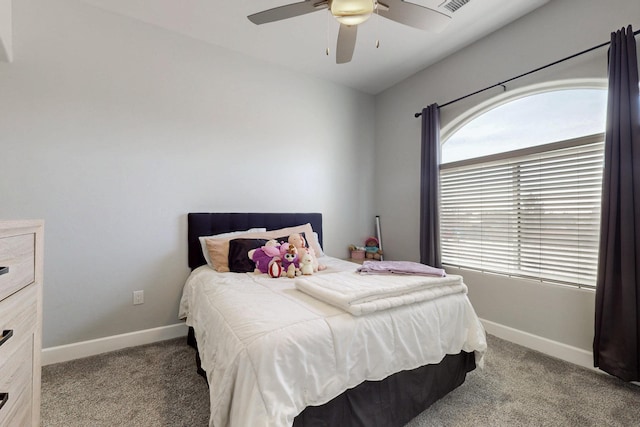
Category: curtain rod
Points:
column 526, row 74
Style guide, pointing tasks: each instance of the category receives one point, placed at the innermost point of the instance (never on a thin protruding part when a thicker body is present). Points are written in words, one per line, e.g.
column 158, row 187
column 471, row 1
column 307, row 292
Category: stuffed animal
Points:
column 371, row 249
column 298, row 241
column 290, row 263
column 275, row 267
column 306, row 264
column 263, row 255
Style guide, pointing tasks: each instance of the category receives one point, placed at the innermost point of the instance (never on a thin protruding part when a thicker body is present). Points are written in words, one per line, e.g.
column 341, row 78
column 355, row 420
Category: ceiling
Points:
column 300, row 43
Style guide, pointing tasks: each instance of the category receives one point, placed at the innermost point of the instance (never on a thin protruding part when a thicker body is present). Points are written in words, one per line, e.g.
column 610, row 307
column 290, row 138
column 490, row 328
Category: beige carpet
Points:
column 156, row 385
column 151, row 385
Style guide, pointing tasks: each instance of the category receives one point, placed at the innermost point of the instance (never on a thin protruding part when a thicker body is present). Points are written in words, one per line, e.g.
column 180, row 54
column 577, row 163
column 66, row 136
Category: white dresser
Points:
column 21, row 246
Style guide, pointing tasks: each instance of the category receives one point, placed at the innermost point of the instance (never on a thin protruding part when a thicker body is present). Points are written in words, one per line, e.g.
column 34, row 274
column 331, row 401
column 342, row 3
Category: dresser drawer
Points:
column 21, row 262
column 18, row 319
column 17, row 258
column 16, row 385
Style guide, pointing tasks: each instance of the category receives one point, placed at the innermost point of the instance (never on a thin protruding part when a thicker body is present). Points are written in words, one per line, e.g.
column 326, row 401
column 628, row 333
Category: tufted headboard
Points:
column 207, row 223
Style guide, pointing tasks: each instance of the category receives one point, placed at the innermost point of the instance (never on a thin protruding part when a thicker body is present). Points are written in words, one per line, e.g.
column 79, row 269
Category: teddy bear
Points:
column 290, row 263
column 306, row 264
column 371, row 249
column 299, row 242
column 263, row 255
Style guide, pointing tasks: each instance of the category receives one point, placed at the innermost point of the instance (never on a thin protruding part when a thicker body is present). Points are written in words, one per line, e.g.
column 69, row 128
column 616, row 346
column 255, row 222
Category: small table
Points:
column 361, row 260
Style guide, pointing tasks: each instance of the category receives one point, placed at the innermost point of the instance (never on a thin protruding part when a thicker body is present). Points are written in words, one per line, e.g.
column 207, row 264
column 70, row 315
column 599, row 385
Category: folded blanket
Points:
column 400, row 267
column 360, row 295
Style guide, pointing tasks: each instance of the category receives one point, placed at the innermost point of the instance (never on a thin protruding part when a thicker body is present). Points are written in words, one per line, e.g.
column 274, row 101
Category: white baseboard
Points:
column 82, row 349
column 556, row 349
column 78, row 350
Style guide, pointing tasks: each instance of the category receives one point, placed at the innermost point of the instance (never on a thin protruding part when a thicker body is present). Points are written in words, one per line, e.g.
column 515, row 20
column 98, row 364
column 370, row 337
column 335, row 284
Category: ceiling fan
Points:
column 351, row 13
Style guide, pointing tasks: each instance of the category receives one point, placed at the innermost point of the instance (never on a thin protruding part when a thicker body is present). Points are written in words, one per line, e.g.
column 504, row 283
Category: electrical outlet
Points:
column 138, row 297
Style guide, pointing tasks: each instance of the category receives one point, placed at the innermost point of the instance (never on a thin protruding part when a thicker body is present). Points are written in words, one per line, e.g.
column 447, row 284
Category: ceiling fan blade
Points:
column 288, row 11
column 346, row 43
column 413, row 15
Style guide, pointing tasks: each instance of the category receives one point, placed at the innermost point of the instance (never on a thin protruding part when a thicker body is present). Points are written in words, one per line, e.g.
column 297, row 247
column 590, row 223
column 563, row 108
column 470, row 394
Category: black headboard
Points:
column 207, row 224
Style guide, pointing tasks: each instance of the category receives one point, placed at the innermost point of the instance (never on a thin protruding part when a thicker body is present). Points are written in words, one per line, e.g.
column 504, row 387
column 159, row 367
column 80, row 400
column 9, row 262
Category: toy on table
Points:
column 371, row 249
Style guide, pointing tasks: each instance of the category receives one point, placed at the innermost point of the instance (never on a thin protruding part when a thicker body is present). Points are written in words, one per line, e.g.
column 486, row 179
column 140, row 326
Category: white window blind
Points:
column 531, row 213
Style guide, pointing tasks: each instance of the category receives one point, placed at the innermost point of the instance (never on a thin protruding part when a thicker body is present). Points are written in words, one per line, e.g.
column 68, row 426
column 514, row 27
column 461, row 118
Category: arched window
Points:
column 521, row 187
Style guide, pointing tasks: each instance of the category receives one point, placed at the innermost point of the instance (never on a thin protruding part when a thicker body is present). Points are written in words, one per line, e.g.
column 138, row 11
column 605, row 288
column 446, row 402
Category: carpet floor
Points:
column 157, row 385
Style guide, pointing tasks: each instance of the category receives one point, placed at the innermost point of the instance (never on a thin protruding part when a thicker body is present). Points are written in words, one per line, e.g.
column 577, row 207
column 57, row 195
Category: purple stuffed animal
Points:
column 290, row 261
column 263, row 255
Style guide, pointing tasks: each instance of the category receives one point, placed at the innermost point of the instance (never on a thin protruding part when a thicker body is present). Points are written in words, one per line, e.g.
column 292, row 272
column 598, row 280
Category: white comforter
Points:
column 270, row 350
column 363, row 294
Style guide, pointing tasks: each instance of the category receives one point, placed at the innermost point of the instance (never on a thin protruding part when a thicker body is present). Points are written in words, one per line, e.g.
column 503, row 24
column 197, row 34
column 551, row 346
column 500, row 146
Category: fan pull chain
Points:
column 327, row 51
column 377, row 26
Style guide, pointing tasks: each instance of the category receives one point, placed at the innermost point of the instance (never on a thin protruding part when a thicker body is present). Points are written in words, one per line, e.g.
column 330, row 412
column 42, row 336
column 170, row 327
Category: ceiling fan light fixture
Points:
column 352, row 12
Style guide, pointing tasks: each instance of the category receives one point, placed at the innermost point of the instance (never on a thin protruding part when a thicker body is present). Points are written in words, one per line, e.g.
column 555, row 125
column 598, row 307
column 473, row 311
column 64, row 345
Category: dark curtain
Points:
column 617, row 319
column 430, row 188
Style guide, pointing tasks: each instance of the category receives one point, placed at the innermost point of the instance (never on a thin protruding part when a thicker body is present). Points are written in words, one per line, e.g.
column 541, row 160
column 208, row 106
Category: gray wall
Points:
column 558, row 29
column 6, row 34
column 112, row 130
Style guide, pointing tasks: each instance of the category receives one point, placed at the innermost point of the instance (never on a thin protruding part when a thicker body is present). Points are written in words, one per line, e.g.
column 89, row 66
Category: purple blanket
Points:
column 400, row 267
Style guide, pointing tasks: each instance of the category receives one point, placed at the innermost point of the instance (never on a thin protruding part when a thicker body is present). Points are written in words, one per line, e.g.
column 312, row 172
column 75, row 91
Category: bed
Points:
column 276, row 356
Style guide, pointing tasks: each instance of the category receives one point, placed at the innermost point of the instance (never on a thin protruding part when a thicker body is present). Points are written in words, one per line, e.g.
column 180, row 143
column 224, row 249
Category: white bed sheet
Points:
column 270, row 350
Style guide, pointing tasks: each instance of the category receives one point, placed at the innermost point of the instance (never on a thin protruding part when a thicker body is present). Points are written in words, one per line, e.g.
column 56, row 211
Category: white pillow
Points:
column 321, row 253
column 205, row 251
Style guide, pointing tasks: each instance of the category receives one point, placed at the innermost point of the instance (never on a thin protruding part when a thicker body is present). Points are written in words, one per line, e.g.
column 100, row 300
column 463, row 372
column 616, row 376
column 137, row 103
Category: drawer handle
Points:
column 3, row 399
column 4, row 270
column 6, row 334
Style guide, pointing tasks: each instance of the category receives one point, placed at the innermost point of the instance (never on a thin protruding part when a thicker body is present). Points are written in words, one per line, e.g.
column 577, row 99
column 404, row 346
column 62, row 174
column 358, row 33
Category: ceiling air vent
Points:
column 454, row 5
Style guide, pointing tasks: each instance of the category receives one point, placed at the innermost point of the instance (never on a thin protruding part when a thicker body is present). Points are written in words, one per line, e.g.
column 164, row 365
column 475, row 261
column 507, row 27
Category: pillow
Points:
column 239, row 261
column 316, row 244
column 205, row 252
column 218, row 247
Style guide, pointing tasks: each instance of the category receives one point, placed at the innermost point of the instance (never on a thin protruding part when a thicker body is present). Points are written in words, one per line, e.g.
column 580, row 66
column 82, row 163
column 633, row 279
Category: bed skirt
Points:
column 391, row 402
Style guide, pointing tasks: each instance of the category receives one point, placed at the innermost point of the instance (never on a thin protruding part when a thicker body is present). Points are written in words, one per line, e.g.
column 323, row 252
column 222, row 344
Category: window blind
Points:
column 531, row 213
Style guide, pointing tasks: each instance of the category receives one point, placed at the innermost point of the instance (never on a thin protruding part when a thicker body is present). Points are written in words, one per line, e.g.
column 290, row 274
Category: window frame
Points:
column 462, row 120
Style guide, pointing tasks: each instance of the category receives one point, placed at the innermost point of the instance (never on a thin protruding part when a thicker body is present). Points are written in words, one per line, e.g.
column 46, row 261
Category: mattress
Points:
column 270, row 350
